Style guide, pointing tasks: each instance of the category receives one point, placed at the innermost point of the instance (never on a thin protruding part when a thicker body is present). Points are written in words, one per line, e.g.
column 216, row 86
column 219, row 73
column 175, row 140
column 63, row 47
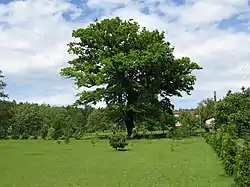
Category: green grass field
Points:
column 149, row 163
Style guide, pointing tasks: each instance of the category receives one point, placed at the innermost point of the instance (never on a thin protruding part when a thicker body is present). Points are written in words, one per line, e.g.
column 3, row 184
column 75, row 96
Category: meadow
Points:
column 146, row 163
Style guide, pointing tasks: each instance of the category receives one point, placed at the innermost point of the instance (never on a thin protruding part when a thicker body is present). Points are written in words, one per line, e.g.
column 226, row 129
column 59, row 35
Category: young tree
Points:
column 122, row 61
column 207, row 109
column 96, row 121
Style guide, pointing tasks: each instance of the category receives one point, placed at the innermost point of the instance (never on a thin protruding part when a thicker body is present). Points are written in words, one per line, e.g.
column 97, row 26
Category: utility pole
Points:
column 215, row 99
column 215, row 96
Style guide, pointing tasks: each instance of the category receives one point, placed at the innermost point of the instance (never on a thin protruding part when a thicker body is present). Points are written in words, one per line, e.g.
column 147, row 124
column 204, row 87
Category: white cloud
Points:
column 106, row 3
column 34, row 36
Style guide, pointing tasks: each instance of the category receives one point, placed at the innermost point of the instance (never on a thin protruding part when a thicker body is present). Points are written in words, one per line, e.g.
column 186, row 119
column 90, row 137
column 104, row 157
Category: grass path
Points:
column 149, row 164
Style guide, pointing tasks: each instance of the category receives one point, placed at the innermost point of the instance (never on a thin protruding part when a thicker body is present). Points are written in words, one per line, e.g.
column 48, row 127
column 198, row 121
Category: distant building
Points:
column 178, row 112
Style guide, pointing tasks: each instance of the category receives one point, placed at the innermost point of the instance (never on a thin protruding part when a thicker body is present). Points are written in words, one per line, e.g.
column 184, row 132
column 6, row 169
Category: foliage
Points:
column 32, row 138
column 228, row 154
column 5, row 116
column 118, row 140
column 3, row 133
column 77, row 135
column 126, row 63
column 51, row 133
column 242, row 166
column 224, row 143
column 96, row 121
column 234, row 108
column 167, row 122
column 2, row 86
column 189, row 125
column 206, row 109
column 27, row 120
column 67, row 140
column 94, row 139
column 217, row 144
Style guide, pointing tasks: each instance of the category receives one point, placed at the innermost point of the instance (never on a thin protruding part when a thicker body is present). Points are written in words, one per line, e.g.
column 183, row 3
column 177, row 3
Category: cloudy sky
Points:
column 34, row 36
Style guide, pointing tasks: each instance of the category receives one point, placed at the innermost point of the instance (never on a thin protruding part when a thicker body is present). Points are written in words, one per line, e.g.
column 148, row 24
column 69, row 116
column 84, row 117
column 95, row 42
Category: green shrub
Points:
column 242, row 166
column 32, row 138
column 94, row 139
column 67, row 140
column 62, row 137
column 218, row 142
column 228, row 152
column 77, row 136
column 51, row 133
column 44, row 132
column 24, row 136
column 3, row 133
column 118, row 141
column 180, row 133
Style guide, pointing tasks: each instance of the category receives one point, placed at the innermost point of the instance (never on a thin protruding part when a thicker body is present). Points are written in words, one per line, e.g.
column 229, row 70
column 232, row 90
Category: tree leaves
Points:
column 129, row 60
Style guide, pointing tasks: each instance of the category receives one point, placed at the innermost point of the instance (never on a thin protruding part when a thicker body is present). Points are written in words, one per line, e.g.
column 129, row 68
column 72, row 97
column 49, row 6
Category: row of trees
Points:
column 234, row 108
column 24, row 120
column 230, row 134
column 234, row 154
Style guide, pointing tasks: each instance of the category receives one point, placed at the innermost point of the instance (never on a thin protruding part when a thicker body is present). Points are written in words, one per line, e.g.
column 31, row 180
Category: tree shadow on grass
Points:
column 124, row 149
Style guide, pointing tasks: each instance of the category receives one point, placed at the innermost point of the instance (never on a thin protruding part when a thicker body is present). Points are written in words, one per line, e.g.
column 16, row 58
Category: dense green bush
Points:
column 180, row 133
column 242, row 166
column 189, row 125
column 32, row 138
column 218, row 142
column 78, row 135
column 225, row 145
column 3, row 133
column 51, row 133
column 234, row 108
column 118, row 140
column 228, row 153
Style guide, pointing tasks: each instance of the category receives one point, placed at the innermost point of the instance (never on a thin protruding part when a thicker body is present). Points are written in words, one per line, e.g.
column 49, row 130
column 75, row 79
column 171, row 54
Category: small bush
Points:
column 94, row 139
column 118, row 141
column 62, row 137
column 242, row 166
column 77, row 136
column 24, row 136
column 32, row 138
column 67, row 140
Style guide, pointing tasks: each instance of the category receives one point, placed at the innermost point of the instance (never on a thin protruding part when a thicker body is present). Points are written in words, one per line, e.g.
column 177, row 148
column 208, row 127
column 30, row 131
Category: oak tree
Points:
column 121, row 62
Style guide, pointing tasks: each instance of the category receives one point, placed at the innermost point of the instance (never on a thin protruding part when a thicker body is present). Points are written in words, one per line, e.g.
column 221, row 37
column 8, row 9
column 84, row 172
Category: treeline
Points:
column 29, row 120
column 24, row 120
column 230, row 134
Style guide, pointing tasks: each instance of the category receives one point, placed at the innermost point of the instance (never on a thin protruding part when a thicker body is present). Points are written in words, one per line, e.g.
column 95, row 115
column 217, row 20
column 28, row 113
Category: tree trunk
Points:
column 129, row 122
column 130, row 114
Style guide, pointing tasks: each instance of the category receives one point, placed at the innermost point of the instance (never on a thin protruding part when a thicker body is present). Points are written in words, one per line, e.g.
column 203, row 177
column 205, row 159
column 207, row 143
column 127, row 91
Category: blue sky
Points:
column 34, row 36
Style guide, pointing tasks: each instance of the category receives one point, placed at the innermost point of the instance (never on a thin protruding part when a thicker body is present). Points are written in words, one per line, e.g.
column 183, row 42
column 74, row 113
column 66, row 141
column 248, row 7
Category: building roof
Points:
column 193, row 112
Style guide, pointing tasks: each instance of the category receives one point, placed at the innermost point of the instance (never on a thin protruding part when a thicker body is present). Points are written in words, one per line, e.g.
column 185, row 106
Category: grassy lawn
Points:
column 150, row 163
